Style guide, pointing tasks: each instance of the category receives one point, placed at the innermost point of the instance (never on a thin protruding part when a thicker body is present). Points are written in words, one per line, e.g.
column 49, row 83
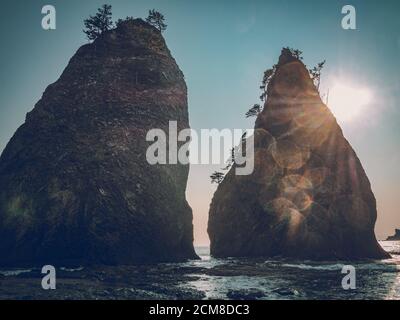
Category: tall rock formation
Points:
column 308, row 195
column 75, row 186
column 395, row 237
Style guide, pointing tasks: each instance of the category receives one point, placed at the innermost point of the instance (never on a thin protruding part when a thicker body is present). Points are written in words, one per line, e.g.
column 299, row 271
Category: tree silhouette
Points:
column 254, row 111
column 120, row 21
column 268, row 74
column 315, row 73
column 231, row 159
column 101, row 22
column 236, row 151
column 217, row 177
column 296, row 53
column 157, row 20
column 267, row 77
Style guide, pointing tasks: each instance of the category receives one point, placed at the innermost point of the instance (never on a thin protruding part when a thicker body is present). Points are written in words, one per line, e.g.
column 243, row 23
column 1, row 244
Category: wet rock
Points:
column 136, row 282
column 248, row 294
column 286, row 292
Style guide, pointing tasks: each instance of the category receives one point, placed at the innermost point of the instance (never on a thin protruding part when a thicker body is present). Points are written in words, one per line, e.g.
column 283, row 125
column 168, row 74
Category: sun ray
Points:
column 347, row 101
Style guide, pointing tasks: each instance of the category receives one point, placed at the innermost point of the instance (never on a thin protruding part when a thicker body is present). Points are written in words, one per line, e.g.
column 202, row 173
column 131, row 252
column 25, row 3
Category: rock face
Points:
column 395, row 237
column 308, row 195
column 75, row 186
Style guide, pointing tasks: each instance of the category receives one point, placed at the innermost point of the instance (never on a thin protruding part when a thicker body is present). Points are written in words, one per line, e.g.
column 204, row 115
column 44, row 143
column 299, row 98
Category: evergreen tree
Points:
column 101, row 22
column 120, row 21
column 315, row 73
column 296, row 53
column 230, row 162
column 268, row 74
column 217, row 177
column 254, row 111
column 157, row 20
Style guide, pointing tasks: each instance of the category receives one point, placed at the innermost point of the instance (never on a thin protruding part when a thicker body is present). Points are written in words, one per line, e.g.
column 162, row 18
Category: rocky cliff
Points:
column 308, row 195
column 75, row 186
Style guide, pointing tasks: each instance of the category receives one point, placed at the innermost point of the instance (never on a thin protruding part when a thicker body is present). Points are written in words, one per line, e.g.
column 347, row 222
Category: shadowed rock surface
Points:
column 75, row 186
column 308, row 196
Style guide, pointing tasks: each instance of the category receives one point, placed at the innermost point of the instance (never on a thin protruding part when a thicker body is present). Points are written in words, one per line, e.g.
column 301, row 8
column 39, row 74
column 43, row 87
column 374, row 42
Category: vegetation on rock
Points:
column 157, row 20
column 99, row 23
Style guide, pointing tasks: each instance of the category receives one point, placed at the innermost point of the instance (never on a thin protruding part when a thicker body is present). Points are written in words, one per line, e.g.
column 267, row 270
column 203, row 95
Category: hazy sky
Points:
column 223, row 47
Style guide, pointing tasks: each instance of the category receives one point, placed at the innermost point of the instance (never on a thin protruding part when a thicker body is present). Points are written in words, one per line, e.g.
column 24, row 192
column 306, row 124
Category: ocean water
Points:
column 211, row 278
column 291, row 279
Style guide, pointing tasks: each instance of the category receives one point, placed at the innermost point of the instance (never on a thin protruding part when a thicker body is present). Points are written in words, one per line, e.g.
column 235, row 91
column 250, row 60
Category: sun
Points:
column 347, row 102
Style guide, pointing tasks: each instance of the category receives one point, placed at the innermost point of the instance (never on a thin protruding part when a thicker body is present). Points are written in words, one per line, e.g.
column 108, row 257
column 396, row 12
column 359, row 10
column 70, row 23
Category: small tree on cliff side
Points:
column 254, row 111
column 217, row 177
column 231, row 161
column 101, row 22
column 236, row 151
column 157, row 20
column 268, row 74
column 315, row 73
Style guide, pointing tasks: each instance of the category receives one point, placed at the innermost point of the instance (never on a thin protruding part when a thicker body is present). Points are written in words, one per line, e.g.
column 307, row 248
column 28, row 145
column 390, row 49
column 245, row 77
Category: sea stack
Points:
column 395, row 237
column 308, row 196
column 75, row 186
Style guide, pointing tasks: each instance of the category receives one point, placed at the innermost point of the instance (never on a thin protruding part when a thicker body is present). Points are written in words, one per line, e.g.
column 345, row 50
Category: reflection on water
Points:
column 211, row 278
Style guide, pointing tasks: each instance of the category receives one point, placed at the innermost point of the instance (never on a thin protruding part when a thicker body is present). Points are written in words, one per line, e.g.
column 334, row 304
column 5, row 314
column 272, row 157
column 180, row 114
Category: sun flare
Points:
column 347, row 102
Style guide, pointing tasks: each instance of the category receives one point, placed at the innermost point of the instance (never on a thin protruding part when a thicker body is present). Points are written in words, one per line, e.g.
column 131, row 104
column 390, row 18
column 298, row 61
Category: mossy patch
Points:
column 19, row 210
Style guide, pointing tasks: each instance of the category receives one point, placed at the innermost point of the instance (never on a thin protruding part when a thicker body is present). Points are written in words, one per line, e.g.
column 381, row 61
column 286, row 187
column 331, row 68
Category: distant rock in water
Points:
column 395, row 237
column 308, row 196
column 75, row 186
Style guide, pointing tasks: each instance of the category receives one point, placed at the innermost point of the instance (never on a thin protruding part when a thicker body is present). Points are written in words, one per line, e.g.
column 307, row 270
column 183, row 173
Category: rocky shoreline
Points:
column 209, row 278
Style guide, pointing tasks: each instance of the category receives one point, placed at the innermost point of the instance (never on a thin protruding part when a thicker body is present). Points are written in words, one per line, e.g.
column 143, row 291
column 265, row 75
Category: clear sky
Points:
column 223, row 47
